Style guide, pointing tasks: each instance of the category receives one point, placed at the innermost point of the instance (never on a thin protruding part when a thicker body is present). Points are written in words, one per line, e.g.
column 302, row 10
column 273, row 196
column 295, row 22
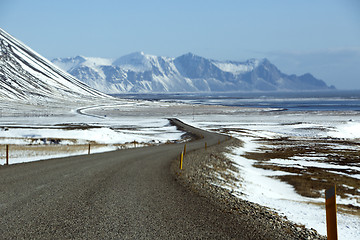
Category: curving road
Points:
column 126, row 194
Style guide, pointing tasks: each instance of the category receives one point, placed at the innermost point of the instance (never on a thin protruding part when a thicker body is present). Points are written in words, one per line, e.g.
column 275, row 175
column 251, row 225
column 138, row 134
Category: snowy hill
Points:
column 139, row 72
column 25, row 75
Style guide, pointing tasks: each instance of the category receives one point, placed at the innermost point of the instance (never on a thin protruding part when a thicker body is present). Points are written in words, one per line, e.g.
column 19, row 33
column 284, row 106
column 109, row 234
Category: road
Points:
column 125, row 194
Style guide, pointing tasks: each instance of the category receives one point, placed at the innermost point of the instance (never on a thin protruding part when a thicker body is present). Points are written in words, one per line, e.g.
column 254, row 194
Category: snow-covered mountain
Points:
column 139, row 72
column 25, row 75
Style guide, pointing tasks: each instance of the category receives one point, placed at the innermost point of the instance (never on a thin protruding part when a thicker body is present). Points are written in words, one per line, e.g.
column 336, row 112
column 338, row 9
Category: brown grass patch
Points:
column 44, row 150
column 312, row 181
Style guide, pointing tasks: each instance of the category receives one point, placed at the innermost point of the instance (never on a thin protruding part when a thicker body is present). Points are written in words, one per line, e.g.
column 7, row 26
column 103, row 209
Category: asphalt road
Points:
column 126, row 194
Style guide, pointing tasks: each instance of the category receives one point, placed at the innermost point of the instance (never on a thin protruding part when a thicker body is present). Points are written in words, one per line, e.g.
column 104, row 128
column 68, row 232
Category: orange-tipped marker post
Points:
column 331, row 222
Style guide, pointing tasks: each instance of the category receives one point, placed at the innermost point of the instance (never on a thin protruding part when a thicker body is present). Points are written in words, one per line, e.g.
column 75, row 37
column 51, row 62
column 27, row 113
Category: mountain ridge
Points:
column 143, row 73
column 26, row 75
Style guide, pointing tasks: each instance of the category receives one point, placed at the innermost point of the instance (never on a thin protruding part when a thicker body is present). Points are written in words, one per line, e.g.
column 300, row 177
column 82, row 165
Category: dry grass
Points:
column 55, row 146
column 16, row 151
column 312, row 181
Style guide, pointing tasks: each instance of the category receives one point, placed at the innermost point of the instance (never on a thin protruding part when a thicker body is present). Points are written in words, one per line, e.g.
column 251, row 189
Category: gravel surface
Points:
column 200, row 174
column 129, row 194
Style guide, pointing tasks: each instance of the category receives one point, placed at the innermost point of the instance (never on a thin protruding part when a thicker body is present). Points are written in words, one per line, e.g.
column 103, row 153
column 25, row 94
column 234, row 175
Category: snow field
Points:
column 33, row 140
column 258, row 185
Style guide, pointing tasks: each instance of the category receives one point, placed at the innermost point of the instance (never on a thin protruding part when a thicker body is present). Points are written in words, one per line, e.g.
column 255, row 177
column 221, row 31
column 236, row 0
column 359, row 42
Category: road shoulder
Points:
column 200, row 170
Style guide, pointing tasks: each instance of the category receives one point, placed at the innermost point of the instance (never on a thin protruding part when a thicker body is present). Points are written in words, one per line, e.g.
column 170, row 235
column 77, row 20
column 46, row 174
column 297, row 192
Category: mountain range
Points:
column 139, row 72
column 27, row 76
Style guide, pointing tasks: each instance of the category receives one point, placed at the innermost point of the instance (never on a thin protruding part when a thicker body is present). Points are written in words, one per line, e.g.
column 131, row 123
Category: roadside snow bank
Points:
column 21, row 157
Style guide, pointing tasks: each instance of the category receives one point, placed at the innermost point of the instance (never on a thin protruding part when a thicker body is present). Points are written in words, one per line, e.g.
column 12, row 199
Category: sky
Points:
column 321, row 37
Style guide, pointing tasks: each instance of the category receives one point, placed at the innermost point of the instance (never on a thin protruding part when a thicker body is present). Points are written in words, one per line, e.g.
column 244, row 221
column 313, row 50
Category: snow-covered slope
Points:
column 139, row 72
column 25, row 75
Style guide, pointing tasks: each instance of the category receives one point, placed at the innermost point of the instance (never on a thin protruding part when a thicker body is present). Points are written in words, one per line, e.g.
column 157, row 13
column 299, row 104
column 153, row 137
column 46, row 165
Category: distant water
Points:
column 291, row 101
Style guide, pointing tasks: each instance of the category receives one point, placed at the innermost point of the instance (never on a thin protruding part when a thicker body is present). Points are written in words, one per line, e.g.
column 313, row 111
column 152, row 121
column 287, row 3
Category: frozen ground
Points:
column 340, row 133
column 110, row 125
column 45, row 132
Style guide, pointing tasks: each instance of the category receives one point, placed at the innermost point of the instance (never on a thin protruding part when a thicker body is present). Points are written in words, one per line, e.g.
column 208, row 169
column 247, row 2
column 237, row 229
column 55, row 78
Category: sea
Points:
column 338, row 100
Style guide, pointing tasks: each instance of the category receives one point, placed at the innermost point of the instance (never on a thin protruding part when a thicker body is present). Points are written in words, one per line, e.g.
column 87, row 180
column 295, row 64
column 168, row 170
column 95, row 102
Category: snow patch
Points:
column 234, row 68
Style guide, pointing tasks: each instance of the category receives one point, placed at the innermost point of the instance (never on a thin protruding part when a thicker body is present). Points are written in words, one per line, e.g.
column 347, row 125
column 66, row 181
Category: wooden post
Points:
column 89, row 149
column 181, row 160
column 219, row 142
column 7, row 155
column 331, row 222
column 205, row 145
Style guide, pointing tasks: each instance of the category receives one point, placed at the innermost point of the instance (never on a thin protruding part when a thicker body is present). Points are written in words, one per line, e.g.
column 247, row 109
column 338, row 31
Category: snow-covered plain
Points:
column 118, row 122
column 24, row 126
column 259, row 185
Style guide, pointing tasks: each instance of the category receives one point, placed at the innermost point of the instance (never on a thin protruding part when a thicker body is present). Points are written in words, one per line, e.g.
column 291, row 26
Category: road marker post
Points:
column 330, row 205
column 205, row 145
column 184, row 149
column 89, row 149
column 219, row 142
column 7, row 155
column 181, row 160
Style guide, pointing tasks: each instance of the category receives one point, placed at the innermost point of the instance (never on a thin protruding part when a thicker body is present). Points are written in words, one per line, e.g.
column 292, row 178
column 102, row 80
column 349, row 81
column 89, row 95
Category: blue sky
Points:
column 299, row 36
